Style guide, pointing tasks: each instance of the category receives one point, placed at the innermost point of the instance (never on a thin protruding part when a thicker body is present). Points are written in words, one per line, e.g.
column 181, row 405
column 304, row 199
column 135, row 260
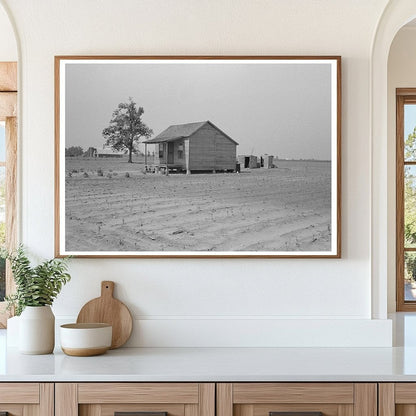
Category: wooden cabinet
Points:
column 397, row 399
column 106, row 399
column 208, row 399
column 264, row 399
column 27, row 399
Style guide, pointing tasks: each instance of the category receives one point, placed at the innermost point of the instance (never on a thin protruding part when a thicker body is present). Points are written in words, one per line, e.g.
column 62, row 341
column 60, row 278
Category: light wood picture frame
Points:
column 198, row 156
column 405, row 300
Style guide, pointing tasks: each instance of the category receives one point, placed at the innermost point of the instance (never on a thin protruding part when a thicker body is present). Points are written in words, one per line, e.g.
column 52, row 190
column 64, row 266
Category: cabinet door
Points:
column 397, row 399
column 142, row 399
column 297, row 399
column 26, row 399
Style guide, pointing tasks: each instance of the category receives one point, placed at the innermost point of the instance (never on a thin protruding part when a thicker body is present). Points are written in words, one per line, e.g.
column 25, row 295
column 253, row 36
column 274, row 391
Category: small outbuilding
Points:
column 91, row 152
column 108, row 152
column 200, row 146
column 247, row 161
column 267, row 161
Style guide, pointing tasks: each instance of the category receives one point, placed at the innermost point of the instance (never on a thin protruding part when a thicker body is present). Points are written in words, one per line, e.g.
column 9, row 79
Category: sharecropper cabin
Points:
column 200, row 146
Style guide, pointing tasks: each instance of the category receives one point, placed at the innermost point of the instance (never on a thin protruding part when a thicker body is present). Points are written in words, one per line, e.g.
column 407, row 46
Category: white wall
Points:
column 8, row 47
column 401, row 73
column 276, row 301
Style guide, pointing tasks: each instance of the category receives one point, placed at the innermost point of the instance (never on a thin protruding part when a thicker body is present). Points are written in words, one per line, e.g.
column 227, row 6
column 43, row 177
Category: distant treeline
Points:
column 302, row 160
column 77, row 151
column 74, row 151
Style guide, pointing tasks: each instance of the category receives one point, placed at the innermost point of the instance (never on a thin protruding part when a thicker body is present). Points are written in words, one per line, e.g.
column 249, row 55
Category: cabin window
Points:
column 406, row 200
column 180, row 151
column 160, row 150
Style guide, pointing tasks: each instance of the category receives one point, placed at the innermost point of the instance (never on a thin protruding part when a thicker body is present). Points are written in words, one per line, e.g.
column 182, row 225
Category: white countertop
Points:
column 215, row 364
column 221, row 364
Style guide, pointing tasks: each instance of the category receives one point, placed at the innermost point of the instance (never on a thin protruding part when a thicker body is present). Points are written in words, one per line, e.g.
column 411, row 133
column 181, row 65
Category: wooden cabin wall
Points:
column 209, row 149
column 179, row 161
column 225, row 154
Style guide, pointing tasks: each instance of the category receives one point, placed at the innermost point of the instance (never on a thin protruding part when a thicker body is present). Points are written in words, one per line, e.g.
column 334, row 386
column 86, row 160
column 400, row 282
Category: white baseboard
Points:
column 256, row 332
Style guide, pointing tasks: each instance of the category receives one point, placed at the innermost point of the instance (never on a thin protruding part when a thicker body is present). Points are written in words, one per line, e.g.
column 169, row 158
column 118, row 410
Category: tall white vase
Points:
column 37, row 330
column 12, row 334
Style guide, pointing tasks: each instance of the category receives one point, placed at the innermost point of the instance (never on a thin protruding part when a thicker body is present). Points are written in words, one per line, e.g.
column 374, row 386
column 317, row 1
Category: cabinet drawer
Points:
column 138, row 393
column 19, row 393
column 147, row 399
column 296, row 399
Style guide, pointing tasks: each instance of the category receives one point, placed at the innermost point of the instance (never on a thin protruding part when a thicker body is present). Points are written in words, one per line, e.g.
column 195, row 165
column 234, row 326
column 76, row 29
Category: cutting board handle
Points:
column 107, row 289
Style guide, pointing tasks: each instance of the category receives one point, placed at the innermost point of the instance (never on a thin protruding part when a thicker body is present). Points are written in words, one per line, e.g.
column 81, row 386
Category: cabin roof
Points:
column 181, row 131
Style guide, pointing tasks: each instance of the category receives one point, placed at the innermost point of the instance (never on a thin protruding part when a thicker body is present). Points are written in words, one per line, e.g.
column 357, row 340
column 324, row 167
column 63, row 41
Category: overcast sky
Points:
column 279, row 109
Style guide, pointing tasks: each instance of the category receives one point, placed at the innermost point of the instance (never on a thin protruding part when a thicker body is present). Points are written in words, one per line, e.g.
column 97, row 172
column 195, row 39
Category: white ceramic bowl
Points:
column 84, row 340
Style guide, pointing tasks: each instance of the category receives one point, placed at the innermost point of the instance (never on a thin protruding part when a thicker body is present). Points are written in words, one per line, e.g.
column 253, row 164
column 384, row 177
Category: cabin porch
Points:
column 169, row 156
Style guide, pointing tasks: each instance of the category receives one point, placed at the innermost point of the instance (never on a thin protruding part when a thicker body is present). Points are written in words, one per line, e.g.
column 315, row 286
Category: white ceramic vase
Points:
column 37, row 330
column 12, row 334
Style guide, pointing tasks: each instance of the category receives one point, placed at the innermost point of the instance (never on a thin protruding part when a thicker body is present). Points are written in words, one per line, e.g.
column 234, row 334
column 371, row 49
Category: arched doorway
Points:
column 395, row 16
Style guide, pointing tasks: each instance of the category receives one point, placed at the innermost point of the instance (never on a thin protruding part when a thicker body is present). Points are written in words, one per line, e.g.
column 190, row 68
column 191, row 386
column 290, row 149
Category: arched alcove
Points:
column 8, row 45
column 396, row 15
column 401, row 74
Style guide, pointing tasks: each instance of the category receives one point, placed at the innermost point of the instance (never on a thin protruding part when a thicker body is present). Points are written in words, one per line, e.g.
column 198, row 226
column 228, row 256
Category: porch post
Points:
column 145, row 157
column 186, row 145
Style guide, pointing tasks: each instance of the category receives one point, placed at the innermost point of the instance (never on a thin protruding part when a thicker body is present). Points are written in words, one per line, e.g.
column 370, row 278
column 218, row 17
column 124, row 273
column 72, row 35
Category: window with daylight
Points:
column 406, row 199
column 2, row 206
column 8, row 173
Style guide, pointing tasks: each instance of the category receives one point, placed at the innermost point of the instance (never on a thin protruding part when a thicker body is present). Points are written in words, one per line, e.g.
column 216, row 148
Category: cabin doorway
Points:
column 170, row 152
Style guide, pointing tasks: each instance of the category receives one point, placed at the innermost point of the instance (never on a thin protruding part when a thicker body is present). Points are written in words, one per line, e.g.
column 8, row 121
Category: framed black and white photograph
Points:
column 198, row 156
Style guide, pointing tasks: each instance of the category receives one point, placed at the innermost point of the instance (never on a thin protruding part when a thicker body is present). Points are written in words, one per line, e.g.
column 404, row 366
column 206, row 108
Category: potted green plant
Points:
column 36, row 289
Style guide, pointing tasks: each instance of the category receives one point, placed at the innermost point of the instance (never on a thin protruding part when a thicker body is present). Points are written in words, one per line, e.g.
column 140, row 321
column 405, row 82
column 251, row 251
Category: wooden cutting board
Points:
column 108, row 310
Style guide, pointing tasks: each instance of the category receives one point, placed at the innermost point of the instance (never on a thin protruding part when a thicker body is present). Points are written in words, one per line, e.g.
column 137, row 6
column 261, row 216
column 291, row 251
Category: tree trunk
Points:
column 130, row 150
